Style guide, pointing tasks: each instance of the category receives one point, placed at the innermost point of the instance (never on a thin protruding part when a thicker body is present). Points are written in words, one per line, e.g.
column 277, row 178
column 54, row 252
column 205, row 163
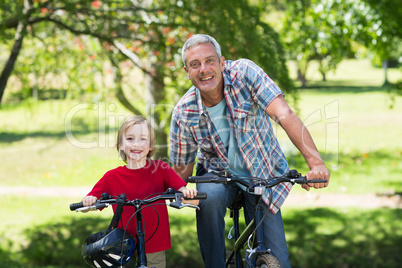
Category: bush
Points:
column 59, row 244
column 317, row 237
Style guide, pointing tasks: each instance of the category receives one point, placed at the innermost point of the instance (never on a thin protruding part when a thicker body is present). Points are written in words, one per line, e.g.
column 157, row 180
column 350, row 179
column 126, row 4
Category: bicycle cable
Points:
column 263, row 217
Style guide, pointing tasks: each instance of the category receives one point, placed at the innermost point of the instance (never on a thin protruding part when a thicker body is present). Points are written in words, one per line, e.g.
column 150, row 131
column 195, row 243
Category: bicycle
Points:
column 119, row 245
column 257, row 255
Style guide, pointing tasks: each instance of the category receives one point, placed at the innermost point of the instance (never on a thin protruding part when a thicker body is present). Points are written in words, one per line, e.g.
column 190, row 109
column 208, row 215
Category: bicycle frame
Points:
column 241, row 238
column 258, row 186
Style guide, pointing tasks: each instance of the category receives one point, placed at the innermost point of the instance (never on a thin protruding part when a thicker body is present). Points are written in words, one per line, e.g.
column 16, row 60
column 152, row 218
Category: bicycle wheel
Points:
column 267, row 261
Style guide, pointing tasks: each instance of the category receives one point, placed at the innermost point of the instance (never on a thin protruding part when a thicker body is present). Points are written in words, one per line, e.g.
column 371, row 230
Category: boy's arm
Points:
column 184, row 171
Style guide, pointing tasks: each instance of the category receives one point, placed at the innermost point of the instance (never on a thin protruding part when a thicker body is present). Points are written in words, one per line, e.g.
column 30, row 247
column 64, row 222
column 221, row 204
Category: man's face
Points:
column 204, row 68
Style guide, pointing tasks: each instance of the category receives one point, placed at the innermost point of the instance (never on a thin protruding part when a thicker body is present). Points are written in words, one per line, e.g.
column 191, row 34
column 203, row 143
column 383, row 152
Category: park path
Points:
column 309, row 199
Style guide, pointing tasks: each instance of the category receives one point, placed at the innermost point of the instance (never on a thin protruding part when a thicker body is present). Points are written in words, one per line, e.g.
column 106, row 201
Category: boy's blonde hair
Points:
column 129, row 122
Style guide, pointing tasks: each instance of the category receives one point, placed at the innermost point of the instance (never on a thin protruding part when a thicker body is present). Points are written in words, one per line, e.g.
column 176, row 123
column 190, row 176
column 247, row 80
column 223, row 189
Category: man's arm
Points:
column 281, row 113
column 184, row 171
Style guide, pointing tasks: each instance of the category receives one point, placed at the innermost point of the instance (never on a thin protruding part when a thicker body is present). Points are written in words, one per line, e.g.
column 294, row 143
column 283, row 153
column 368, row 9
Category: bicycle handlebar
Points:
column 168, row 195
column 292, row 176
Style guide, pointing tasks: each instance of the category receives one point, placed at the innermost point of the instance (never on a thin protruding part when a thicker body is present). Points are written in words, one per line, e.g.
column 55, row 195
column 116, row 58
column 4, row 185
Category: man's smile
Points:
column 206, row 78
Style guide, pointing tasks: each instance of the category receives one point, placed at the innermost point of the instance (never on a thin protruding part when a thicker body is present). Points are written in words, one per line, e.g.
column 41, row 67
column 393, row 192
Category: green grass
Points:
column 38, row 152
column 317, row 237
column 344, row 237
column 350, row 72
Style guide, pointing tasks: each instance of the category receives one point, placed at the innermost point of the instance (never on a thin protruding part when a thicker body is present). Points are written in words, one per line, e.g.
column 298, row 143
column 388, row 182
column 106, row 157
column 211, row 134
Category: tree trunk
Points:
column 385, row 66
column 15, row 51
column 155, row 95
column 119, row 89
column 301, row 77
column 324, row 78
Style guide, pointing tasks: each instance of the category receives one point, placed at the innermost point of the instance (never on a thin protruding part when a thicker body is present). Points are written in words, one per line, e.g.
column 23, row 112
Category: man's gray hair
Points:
column 199, row 39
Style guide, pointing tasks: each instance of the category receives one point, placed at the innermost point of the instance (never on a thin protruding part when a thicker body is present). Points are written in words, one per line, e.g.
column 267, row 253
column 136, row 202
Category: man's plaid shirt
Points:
column 248, row 91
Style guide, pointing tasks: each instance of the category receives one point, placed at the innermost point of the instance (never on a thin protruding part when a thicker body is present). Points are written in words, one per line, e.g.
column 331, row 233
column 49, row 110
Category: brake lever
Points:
column 85, row 209
column 179, row 204
column 92, row 208
column 190, row 206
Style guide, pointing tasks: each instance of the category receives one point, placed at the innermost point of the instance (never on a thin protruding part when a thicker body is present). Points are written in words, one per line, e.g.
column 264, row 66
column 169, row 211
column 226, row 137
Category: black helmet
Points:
column 108, row 248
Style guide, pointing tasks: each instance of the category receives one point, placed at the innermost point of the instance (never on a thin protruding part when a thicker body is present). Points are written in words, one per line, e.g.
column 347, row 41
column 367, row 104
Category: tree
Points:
column 384, row 34
column 150, row 34
column 20, row 23
column 317, row 30
column 325, row 30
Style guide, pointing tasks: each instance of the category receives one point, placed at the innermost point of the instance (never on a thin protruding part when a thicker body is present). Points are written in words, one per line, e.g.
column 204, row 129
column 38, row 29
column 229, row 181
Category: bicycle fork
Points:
column 259, row 243
column 142, row 258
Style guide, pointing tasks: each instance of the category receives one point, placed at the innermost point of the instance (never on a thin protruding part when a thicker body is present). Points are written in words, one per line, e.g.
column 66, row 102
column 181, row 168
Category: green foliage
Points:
column 316, row 238
column 385, row 34
column 59, row 244
column 395, row 90
column 78, row 39
column 344, row 238
column 70, row 74
column 185, row 251
column 327, row 31
column 318, row 30
column 155, row 31
column 6, row 258
column 354, row 167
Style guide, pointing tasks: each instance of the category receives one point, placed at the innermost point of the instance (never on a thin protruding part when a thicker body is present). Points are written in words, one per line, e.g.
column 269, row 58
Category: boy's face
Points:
column 136, row 143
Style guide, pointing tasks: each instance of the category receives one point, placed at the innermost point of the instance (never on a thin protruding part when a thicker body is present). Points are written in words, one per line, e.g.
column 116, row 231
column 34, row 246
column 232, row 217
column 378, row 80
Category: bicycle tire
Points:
column 267, row 261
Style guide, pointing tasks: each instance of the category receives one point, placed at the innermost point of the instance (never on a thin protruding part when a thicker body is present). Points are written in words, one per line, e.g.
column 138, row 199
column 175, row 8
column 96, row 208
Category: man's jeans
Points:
column 211, row 225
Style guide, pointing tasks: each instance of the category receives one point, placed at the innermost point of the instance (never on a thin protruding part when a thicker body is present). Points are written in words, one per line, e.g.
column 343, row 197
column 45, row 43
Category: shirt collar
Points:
column 226, row 80
column 201, row 108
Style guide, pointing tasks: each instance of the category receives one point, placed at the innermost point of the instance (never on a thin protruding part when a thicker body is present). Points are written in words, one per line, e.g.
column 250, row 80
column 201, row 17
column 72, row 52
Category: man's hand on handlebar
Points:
column 316, row 173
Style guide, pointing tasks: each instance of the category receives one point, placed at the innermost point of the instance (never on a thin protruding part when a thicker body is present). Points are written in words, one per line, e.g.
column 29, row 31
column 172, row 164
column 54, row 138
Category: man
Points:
column 225, row 118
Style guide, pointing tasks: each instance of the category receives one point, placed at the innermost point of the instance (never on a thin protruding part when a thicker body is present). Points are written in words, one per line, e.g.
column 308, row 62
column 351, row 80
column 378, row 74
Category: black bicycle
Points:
column 115, row 247
column 257, row 255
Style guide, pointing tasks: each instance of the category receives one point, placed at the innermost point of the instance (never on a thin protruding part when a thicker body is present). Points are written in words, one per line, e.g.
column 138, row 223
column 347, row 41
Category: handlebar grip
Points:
column 75, row 206
column 305, row 181
column 316, row 181
column 198, row 196
column 206, row 179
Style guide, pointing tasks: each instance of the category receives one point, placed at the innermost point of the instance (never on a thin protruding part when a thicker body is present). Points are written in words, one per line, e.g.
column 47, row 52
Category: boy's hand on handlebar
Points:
column 317, row 173
column 88, row 200
column 189, row 193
